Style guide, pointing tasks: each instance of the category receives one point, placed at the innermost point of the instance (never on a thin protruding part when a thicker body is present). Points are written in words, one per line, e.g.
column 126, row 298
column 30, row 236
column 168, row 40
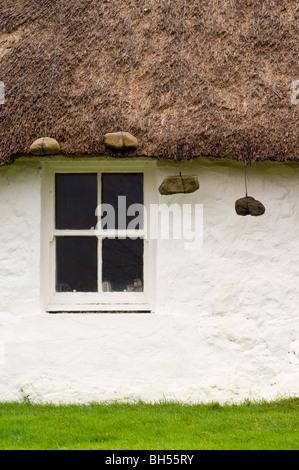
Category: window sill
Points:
column 84, row 309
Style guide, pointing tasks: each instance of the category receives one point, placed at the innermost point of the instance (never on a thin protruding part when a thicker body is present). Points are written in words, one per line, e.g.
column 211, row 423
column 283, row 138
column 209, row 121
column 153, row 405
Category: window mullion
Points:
column 115, row 233
column 75, row 233
column 100, row 289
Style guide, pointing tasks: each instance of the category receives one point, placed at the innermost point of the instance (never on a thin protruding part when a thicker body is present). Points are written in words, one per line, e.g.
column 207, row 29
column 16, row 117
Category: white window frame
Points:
column 84, row 302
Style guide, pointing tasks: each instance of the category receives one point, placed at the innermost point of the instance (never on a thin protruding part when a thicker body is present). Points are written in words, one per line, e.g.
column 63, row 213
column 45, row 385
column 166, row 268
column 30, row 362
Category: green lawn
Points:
column 140, row 426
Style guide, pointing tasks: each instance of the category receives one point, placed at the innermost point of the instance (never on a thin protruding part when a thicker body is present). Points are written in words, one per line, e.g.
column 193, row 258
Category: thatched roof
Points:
column 120, row 65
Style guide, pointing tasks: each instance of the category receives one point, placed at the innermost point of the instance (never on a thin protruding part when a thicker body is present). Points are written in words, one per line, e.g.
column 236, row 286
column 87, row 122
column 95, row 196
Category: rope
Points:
column 53, row 66
column 181, row 81
column 179, row 151
column 246, row 180
column 246, row 189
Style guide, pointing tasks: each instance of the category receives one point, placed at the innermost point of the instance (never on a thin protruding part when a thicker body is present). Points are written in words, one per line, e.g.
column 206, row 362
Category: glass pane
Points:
column 122, row 268
column 76, row 200
column 129, row 188
column 76, row 264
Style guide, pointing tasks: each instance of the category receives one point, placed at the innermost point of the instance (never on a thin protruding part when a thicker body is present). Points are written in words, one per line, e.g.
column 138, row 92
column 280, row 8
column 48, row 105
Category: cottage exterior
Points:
column 205, row 307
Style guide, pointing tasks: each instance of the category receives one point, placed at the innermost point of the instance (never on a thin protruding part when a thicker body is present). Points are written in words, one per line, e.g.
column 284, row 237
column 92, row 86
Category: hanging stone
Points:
column 249, row 206
column 179, row 184
column 120, row 140
column 45, row 146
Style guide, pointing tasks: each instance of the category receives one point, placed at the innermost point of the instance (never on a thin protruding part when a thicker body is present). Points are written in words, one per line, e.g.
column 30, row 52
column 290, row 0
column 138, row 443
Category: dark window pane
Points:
column 76, row 264
column 76, row 200
column 122, row 268
column 130, row 187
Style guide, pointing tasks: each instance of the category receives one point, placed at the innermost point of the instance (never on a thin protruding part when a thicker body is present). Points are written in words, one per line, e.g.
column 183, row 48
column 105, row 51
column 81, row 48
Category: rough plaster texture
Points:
column 226, row 323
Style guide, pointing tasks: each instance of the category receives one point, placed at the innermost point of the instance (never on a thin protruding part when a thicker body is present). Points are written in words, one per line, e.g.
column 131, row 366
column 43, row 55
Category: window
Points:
column 96, row 254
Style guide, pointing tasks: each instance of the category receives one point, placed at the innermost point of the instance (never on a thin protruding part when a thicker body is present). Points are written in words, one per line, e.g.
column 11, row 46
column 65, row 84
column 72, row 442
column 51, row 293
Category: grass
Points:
column 141, row 426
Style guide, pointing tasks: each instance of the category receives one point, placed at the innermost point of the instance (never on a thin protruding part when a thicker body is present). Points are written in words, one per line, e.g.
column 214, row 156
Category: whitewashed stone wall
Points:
column 226, row 321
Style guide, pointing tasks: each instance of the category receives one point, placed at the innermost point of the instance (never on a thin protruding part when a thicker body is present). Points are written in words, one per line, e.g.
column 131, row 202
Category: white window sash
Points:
column 89, row 301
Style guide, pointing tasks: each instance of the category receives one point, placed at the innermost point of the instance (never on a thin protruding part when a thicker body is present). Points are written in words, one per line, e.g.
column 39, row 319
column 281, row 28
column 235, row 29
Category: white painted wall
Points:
column 226, row 323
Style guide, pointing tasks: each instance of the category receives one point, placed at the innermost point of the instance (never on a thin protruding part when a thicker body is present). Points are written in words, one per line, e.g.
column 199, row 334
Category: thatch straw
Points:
column 117, row 67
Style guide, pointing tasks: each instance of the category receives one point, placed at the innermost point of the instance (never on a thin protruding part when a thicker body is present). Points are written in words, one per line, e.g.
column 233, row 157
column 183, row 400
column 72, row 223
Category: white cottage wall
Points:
column 226, row 323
